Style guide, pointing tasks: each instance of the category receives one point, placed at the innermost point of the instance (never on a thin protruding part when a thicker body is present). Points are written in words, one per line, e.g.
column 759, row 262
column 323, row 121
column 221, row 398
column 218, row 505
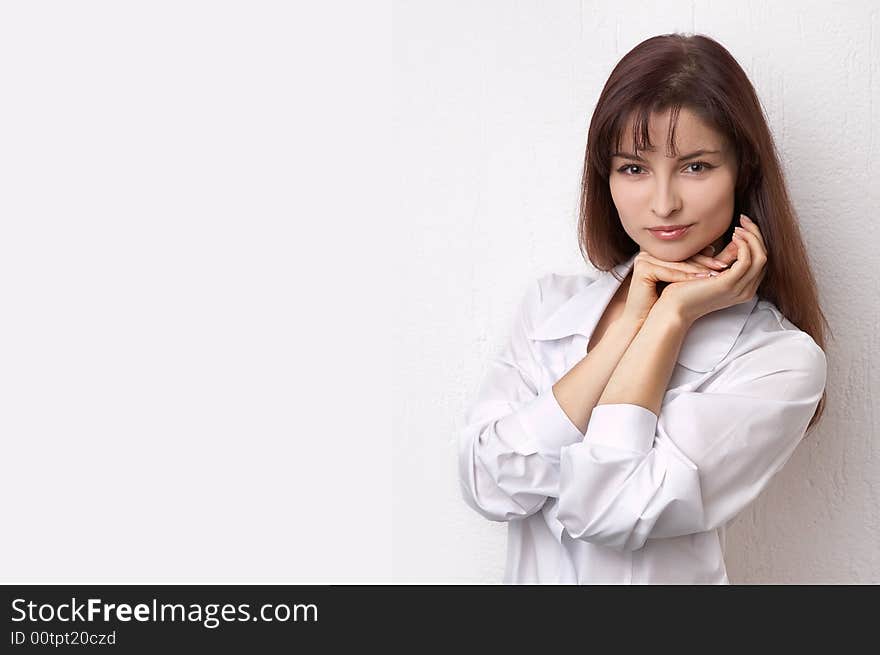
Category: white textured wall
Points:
column 492, row 104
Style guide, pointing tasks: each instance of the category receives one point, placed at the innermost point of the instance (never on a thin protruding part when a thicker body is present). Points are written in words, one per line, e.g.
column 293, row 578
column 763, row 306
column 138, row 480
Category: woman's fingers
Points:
column 668, row 274
column 727, row 254
column 687, row 267
column 752, row 227
column 710, row 262
column 744, row 267
column 757, row 260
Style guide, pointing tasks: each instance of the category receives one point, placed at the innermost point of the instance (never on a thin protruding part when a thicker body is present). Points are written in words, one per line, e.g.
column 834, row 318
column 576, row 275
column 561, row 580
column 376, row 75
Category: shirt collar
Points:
column 709, row 339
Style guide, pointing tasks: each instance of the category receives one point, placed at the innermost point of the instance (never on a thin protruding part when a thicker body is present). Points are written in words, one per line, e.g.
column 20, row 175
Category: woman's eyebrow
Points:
column 696, row 153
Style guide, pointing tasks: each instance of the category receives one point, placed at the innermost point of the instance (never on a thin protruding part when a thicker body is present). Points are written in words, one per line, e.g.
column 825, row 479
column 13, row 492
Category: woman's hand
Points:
column 690, row 299
column 719, row 262
column 647, row 272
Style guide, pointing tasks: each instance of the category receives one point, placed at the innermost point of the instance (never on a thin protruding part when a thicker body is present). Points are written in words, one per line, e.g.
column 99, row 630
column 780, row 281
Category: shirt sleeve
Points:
column 636, row 476
column 509, row 447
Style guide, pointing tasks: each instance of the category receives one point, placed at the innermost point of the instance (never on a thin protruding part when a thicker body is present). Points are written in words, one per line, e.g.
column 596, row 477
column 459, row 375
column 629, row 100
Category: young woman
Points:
column 633, row 414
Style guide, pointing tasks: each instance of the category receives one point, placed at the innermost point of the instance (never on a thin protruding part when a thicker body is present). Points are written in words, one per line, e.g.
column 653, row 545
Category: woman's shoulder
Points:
column 555, row 289
column 767, row 318
column 550, row 291
column 772, row 341
column 565, row 285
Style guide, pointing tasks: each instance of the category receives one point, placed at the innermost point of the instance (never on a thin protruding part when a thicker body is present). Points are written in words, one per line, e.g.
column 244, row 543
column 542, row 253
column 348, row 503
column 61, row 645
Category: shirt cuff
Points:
column 548, row 425
column 622, row 425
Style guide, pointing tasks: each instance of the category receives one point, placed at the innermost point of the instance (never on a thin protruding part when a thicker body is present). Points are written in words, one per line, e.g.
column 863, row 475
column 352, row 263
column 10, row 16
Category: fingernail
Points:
column 720, row 263
column 702, row 274
column 746, row 219
column 713, row 274
column 712, row 249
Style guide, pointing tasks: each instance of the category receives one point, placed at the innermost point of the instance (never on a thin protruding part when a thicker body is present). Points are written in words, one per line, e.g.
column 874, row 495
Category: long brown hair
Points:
column 674, row 70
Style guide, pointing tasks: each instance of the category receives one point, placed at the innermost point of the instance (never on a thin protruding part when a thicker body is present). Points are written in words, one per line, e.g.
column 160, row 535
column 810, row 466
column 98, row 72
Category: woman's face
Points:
column 666, row 191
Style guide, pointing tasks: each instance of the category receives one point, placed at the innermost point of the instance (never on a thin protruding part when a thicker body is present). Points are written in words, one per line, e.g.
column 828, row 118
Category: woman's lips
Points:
column 669, row 235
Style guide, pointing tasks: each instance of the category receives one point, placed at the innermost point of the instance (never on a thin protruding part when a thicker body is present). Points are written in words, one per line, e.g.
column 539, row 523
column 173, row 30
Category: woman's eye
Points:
column 703, row 167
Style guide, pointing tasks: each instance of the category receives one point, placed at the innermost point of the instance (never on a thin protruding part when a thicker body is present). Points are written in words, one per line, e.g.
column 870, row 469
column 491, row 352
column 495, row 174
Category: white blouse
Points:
column 640, row 498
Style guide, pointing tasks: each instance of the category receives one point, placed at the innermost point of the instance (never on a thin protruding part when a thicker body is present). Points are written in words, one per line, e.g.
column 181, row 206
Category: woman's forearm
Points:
column 578, row 391
column 643, row 373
